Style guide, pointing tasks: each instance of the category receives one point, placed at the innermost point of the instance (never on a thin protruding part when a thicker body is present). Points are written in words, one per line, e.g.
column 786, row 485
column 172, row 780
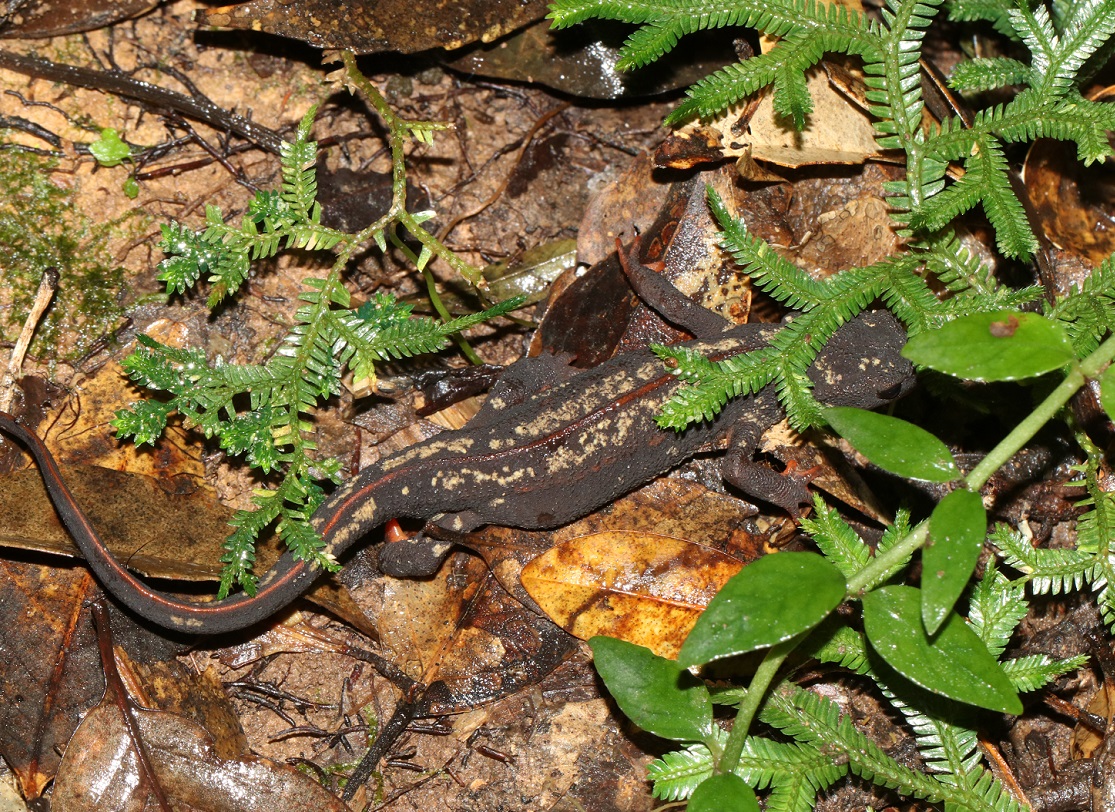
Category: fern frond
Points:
column 983, row 791
column 825, row 305
column 791, row 94
column 995, row 12
column 842, row 646
column 836, row 539
column 955, row 266
column 804, row 772
column 1088, row 310
column 796, row 772
column 983, row 74
column 143, row 421
column 1071, row 118
column 711, row 384
column 897, row 531
column 239, row 554
column 1035, row 28
column 892, row 78
column 1048, row 571
column 299, row 178
column 1057, row 57
column 677, row 773
column 985, row 181
column 949, row 748
column 723, row 88
column 809, row 718
column 908, row 296
column 1034, row 672
column 664, row 23
column 997, row 607
column 776, row 275
column 768, row 763
column 189, row 256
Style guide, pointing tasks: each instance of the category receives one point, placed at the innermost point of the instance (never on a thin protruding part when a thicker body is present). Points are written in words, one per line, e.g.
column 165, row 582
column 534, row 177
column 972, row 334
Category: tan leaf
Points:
column 639, row 587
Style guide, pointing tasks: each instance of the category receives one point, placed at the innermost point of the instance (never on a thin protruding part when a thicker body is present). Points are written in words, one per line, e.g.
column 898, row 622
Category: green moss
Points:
column 39, row 228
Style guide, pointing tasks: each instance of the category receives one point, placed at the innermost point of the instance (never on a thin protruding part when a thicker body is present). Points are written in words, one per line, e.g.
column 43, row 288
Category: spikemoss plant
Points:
column 264, row 411
column 933, row 665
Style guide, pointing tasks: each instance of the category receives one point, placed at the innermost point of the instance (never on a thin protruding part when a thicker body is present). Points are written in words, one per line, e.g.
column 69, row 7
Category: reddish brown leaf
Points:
column 49, row 671
column 1074, row 205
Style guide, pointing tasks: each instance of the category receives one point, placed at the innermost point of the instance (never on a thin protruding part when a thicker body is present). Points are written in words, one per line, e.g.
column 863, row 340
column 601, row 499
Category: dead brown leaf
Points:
column 156, row 532
column 42, row 18
column 169, row 535
column 388, row 25
column 461, row 633
column 829, row 471
column 640, row 587
column 837, row 132
column 49, row 671
column 1074, row 205
column 100, row 770
column 582, row 61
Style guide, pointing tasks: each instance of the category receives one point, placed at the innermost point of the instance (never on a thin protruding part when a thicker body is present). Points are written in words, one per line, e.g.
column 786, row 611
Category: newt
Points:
column 533, row 457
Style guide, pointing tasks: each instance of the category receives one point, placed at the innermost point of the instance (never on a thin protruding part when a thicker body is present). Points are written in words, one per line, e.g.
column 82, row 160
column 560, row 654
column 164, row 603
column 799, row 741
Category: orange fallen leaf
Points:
column 640, row 587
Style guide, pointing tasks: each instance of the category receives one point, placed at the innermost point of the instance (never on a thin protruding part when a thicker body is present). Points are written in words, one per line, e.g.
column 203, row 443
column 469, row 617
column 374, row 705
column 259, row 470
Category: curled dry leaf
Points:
column 99, row 770
column 640, row 587
column 837, row 132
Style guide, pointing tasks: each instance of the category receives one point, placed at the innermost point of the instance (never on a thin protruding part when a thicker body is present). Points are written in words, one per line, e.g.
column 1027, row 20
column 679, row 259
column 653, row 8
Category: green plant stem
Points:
column 756, row 691
column 431, row 289
column 398, row 128
column 884, row 565
column 893, row 559
column 1090, row 367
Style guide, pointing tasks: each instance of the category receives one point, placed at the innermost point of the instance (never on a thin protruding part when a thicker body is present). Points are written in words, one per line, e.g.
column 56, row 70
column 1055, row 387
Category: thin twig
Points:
column 47, row 286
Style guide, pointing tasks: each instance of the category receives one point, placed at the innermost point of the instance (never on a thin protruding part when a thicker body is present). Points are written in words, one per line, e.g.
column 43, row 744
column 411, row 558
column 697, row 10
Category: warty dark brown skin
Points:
column 534, row 462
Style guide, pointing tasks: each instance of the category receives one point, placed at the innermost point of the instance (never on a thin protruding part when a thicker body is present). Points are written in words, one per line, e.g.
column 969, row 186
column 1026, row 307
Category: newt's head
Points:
column 862, row 363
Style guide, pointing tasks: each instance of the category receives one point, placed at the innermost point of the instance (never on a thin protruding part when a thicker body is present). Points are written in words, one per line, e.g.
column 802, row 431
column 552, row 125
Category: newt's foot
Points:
column 417, row 557
column 788, row 490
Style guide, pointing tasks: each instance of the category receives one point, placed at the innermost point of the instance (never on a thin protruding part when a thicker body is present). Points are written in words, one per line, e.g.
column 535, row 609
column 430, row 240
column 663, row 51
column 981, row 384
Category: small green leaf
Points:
column 131, row 188
column 1002, row 346
column 109, row 149
column 720, row 793
column 423, row 257
column 1107, row 391
column 657, row 694
column 894, row 445
column 954, row 663
column 766, row 603
column 956, row 532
